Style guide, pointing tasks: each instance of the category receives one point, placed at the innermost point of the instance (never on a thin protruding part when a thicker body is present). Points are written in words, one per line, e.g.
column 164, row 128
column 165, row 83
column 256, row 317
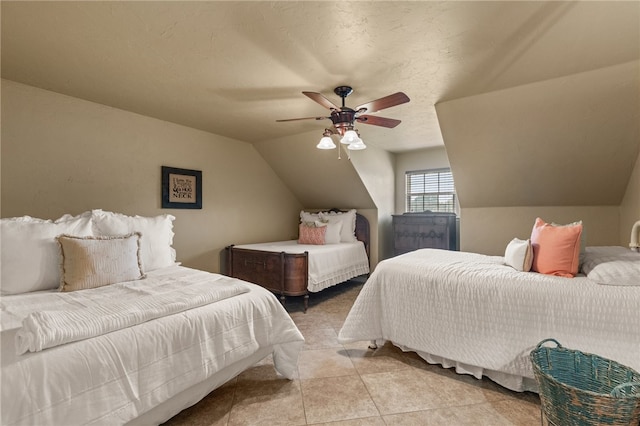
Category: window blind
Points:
column 430, row 190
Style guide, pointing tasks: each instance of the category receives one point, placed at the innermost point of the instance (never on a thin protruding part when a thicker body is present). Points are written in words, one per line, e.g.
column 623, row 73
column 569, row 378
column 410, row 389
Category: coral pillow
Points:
column 556, row 249
column 312, row 235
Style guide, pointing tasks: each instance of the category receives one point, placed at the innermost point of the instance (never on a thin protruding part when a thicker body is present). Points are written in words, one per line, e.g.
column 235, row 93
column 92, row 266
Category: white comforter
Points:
column 329, row 264
column 46, row 329
column 475, row 313
column 113, row 378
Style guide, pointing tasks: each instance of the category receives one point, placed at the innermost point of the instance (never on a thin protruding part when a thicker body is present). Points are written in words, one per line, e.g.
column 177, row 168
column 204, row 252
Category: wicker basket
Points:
column 578, row 388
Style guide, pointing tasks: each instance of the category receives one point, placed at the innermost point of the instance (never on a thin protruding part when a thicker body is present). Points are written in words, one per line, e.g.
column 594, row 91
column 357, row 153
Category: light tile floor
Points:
column 351, row 385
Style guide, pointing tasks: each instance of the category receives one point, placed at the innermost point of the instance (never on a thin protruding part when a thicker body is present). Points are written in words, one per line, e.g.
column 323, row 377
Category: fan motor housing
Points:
column 343, row 119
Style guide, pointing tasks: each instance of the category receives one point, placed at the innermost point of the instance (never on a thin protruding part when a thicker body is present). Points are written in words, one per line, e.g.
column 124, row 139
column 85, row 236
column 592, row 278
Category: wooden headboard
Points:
column 362, row 230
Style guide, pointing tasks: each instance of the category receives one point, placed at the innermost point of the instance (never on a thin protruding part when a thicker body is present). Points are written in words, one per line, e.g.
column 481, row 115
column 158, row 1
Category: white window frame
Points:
column 444, row 189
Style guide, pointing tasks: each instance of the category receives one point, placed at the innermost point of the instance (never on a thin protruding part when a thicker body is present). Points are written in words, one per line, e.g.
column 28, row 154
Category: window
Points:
column 430, row 190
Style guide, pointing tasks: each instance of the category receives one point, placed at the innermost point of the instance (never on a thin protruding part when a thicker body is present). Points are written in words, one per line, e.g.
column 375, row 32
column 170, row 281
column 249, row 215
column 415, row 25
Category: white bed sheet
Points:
column 118, row 377
column 329, row 264
column 472, row 312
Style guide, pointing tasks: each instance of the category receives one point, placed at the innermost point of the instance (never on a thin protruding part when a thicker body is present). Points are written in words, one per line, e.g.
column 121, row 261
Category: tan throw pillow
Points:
column 519, row 255
column 89, row 262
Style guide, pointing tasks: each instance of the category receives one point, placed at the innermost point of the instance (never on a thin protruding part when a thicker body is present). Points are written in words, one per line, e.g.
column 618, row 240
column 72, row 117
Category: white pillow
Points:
column 612, row 266
column 157, row 235
column 30, row 254
column 519, row 255
column 348, row 220
column 332, row 234
column 308, row 216
column 89, row 262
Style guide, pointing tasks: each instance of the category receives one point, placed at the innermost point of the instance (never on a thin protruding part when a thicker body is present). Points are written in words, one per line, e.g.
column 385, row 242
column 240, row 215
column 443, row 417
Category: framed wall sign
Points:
column 181, row 188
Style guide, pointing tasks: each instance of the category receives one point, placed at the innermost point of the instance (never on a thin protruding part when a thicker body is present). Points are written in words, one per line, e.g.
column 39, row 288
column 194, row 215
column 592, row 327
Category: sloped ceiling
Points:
column 317, row 177
column 568, row 141
column 500, row 73
column 233, row 68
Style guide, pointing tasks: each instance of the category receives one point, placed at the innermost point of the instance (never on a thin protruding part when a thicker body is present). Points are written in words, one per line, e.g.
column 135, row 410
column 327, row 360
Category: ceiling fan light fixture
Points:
column 326, row 143
column 357, row 146
column 344, row 118
column 350, row 136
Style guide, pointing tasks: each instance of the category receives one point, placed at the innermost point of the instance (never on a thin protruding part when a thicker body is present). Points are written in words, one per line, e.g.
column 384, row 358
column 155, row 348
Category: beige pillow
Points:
column 519, row 255
column 89, row 262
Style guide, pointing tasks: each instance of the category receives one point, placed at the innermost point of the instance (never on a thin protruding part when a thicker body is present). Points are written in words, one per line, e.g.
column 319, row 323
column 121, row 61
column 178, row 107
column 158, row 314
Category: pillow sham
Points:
column 157, row 235
column 308, row 216
column 519, row 255
column 90, row 262
column 556, row 249
column 312, row 234
column 30, row 254
column 332, row 235
column 612, row 266
column 348, row 221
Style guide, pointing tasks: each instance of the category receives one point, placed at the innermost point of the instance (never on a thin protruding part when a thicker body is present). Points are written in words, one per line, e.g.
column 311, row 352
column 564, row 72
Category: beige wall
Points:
column 64, row 155
column 488, row 230
column 630, row 207
column 376, row 169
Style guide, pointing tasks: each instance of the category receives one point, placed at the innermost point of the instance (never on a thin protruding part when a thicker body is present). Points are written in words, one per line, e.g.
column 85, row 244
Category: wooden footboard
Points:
column 286, row 274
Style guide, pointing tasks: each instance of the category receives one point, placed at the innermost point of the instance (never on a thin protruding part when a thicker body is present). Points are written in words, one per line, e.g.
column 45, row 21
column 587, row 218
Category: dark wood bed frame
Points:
column 286, row 274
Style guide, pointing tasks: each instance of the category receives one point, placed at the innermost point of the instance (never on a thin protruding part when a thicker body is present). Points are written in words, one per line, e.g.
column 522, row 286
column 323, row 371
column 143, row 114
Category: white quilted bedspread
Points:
column 471, row 310
column 119, row 376
column 329, row 264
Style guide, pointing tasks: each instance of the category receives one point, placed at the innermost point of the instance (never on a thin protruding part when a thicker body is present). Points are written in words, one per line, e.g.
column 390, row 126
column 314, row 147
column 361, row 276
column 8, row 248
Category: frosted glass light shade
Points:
column 357, row 146
column 326, row 143
column 350, row 136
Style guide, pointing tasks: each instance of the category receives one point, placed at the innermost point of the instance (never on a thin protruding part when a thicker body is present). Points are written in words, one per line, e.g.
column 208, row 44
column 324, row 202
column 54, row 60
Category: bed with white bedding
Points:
column 328, row 265
column 135, row 351
column 297, row 267
column 475, row 313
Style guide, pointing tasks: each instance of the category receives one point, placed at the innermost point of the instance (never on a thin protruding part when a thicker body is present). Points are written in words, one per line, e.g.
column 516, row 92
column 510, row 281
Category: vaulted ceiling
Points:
column 537, row 103
column 233, row 68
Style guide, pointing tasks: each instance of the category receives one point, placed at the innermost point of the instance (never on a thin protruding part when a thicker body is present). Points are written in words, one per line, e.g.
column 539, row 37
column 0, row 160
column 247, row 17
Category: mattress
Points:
column 117, row 377
column 329, row 264
column 474, row 313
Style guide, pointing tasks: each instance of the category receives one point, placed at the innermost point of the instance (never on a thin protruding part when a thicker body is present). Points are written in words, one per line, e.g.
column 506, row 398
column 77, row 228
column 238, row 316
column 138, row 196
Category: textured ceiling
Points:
column 233, row 68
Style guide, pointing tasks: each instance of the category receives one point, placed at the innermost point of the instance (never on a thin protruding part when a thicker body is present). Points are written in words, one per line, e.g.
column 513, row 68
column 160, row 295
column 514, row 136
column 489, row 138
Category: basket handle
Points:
column 617, row 391
column 548, row 340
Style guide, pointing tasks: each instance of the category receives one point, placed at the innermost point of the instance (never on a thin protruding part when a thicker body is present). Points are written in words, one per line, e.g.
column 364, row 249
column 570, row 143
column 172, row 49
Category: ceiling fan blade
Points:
column 305, row 118
column 382, row 103
column 321, row 100
column 378, row 121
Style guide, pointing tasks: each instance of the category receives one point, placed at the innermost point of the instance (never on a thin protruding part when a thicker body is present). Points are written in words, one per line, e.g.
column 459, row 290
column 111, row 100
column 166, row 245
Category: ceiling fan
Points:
column 344, row 118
